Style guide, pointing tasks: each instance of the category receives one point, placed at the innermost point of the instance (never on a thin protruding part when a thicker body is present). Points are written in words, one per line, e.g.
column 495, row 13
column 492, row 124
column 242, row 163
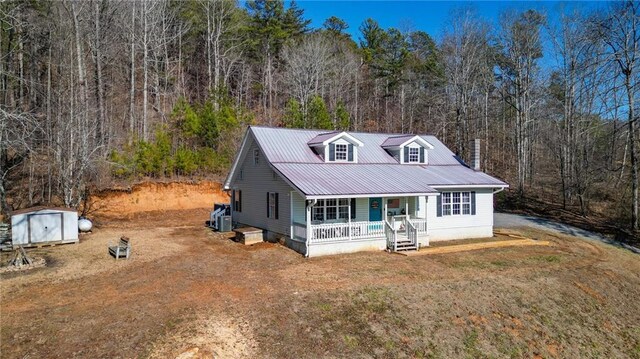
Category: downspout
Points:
column 308, row 217
column 499, row 190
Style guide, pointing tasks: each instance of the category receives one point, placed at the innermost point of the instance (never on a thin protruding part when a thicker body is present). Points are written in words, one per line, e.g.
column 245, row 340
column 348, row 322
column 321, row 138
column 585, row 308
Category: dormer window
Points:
column 414, row 155
column 408, row 149
column 336, row 147
column 341, row 152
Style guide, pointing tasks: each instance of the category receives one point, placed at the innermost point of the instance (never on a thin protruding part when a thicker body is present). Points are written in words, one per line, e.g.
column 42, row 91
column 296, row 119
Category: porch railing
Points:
column 392, row 236
column 412, row 233
column 420, row 224
column 299, row 231
column 333, row 232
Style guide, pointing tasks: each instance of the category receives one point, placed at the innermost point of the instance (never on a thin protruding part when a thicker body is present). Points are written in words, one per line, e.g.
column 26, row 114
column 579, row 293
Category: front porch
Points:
column 349, row 224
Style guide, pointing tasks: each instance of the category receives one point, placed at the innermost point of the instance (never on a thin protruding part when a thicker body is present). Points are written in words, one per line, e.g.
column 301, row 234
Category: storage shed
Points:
column 41, row 225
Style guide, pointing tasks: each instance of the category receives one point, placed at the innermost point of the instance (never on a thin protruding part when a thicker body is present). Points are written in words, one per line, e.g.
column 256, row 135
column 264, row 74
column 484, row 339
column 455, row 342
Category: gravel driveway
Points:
column 507, row 220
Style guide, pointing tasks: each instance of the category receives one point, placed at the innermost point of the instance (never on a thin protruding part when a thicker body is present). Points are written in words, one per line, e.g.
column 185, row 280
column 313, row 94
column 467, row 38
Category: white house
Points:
column 337, row 192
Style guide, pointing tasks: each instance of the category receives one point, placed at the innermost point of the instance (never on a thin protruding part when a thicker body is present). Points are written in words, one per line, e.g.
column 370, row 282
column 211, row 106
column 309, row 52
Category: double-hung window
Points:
column 272, row 205
column 330, row 209
column 341, row 152
column 456, row 203
column 414, row 155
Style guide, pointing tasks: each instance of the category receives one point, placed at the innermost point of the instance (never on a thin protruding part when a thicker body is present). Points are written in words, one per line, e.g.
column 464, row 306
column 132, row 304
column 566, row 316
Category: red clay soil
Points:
column 156, row 196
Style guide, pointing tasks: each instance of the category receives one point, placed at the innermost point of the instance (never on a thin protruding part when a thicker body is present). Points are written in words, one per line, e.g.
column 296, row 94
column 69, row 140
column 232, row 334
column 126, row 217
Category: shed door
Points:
column 46, row 227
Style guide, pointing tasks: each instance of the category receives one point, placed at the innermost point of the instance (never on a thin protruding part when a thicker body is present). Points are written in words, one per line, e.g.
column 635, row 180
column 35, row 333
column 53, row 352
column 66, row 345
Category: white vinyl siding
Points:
column 448, row 227
column 257, row 181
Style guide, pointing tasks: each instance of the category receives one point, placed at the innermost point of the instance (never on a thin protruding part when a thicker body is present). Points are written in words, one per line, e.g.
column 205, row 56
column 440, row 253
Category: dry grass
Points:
column 187, row 291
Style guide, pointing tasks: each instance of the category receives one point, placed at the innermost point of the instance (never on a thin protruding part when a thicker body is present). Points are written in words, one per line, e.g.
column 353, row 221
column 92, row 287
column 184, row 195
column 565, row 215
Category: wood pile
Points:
column 4, row 233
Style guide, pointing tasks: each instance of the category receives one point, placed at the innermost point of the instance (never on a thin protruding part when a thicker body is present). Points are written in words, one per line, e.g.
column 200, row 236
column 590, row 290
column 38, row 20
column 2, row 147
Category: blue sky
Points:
column 428, row 16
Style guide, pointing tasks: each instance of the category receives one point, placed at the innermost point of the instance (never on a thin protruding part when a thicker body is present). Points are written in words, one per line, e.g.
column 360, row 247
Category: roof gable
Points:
column 401, row 141
column 324, row 139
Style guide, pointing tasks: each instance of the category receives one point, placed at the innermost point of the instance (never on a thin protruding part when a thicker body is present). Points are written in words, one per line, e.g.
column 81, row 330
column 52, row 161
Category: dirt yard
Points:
column 190, row 293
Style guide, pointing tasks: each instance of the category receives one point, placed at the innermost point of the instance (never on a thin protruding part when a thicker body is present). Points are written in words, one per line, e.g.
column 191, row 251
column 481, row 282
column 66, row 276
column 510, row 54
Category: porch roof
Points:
column 342, row 179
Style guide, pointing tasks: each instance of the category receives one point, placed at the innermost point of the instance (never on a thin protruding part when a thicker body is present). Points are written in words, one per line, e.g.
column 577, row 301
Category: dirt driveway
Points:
column 190, row 292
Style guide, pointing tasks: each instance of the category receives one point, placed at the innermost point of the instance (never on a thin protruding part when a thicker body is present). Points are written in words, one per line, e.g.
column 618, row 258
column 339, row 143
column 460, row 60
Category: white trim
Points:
column 469, row 186
column 421, row 141
column 350, row 138
column 227, row 181
column 330, row 196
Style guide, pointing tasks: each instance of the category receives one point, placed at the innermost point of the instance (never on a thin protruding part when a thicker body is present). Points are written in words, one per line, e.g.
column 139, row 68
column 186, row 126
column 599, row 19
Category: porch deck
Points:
column 402, row 234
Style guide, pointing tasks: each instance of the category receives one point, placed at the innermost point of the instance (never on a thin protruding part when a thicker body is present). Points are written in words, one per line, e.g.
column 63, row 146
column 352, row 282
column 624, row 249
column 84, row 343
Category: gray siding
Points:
column 256, row 182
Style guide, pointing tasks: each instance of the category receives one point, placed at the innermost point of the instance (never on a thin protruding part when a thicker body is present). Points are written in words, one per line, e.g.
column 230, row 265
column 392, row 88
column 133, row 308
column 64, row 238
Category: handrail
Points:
column 392, row 236
column 412, row 233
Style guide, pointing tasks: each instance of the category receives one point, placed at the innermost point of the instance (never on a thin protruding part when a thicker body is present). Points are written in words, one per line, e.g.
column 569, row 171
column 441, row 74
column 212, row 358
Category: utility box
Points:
column 35, row 226
column 224, row 224
column 219, row 210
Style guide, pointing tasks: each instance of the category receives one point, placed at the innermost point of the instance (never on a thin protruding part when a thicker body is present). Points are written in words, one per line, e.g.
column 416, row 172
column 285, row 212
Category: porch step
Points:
column 404, row 244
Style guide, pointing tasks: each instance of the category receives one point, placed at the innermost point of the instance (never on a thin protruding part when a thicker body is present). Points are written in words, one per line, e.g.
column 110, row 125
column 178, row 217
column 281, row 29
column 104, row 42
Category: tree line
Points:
column 92, row 91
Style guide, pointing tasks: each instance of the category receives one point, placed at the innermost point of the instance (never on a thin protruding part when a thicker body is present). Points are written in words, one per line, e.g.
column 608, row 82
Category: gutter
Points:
column 499, row 190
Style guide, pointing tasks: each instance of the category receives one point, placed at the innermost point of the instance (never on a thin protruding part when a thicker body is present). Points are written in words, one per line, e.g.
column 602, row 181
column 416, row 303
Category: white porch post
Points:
column 406, row 207
column 308, row 222
column 349, row 218
column 384, row 214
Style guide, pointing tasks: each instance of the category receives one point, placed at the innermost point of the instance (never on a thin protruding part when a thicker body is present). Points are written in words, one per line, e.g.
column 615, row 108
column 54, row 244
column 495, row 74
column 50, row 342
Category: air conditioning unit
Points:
column 224, row 224
column 219, row 209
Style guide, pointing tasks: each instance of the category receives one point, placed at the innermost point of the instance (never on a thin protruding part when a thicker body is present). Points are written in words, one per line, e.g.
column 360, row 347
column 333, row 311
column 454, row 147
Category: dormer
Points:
column 408, row 149
column 338, row 147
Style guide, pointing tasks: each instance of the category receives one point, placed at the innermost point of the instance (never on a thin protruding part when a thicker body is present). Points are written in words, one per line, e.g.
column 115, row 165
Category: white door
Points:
column 46, row 227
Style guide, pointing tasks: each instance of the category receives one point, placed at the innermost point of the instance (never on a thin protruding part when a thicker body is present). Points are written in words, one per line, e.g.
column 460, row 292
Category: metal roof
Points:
column 376, row 172
column 458, row 175
column 293, row 145
column 319, row 139
column 354, row 179
column 396, row 140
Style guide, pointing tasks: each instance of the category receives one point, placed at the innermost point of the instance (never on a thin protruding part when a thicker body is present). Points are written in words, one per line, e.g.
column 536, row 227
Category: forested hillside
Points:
column 93, row 92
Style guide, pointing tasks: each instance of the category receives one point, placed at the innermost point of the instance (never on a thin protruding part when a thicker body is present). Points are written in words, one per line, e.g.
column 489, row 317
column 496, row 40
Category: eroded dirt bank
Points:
column 155, row 196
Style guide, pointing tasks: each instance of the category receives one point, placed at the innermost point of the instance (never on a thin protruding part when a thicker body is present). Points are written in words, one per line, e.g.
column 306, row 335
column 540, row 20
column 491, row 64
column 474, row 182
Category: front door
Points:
column 375, row 209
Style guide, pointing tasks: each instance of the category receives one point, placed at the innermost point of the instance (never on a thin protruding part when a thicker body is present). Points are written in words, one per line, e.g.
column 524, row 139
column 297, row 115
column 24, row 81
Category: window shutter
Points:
column 406, row 155
column 350, row 153
column 421, row 154
column 239, row 201
column 233, row 201
column 439, row 205
column 267, row 204
column 353, row 208
column 277, row 209
column 473, row 203
column 332, row 152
